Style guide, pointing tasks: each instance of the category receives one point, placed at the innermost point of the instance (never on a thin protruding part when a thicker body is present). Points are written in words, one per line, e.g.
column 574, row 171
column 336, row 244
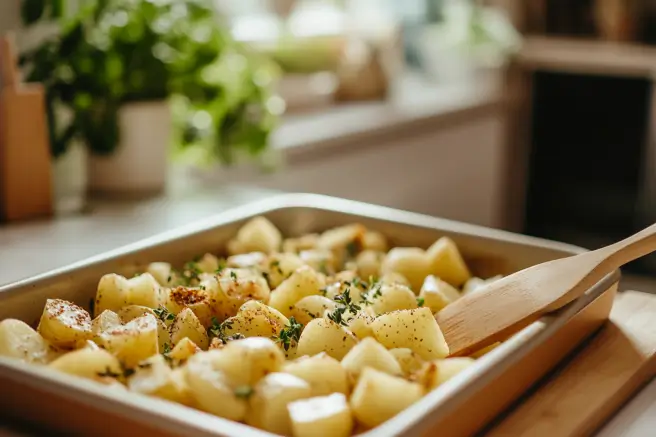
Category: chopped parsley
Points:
column 420, row 302
column 352, row 248
column 217, row 330
column 233, row 275
column 290, row 334
column 164, row 314
column 244, row 391
column 167, row 348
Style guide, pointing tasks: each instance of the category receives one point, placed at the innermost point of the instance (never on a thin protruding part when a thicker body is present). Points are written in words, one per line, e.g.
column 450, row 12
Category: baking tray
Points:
column 460, row 407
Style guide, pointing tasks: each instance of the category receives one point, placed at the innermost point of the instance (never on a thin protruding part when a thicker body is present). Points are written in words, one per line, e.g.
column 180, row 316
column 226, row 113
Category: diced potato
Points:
column 133, row 342
column 144, row 290
column 255, row 319
column 154, row 377
column 233, row 288
column 378, row 397
column 446, row 262
column 324, row 373
column 246, row 260
column 409, row 361
column 208, row 263
column 368, row 263
column 112, row 294
column 387, row 298
column 370, row 353
column 394, row 278
column 325, row 416
column 197, row 299
column 437, row 293
column 268, row 403
column 246, row 361
column 19, row 340
column 343, row 241
column 321, row 260
column 411, row 262
column 259, row 235
column 107, row 321
column 236, row 247
column 323, row 335
column 210, row 388
column 131, row 312
column 280, row 266
column 374, row 240
column 346, row 281
column 295, row 245
column 64, row 324
column 183, row 350
column 476, row 284
column 89, row 363
column 360, row 324
column 312, row 307
column 303, row 282
column 187, row 325
column 479, row 353
column 414, row 329
column 179, row 378
column 437, row 372
column 162, row 272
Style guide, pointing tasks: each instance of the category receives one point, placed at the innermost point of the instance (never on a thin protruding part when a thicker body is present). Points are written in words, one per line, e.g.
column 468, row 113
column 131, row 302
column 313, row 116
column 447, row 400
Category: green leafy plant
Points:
column 113, row 52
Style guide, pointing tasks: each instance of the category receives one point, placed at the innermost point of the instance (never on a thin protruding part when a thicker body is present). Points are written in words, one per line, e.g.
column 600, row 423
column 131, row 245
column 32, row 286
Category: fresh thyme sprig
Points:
column 420, row 301
column 345, row 305
column 290, row 334
column 217, row 330
column 164, row 314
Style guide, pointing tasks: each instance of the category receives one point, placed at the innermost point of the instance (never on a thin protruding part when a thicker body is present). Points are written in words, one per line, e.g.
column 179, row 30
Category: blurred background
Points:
column 537, row 117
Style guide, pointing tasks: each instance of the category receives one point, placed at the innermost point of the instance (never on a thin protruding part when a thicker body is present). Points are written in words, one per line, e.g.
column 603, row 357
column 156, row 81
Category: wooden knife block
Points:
column 25, row 165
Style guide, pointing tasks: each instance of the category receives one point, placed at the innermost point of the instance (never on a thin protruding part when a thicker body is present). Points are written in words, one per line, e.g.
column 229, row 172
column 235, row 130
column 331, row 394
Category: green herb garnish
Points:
column 352, row 248
column 244, row 391
column 290, row 334
column 164, row 314
column 345, row 304
column 420, row 302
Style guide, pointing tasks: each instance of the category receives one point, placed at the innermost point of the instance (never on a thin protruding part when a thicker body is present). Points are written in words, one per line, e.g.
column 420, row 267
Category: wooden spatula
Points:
column 509, row 304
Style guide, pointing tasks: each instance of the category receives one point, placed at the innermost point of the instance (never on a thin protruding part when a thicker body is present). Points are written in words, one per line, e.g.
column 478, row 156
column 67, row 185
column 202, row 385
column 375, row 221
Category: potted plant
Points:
column 114, row 68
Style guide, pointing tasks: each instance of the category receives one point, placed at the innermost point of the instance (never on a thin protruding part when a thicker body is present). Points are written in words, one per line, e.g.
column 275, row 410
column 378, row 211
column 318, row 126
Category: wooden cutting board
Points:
column 593, row 384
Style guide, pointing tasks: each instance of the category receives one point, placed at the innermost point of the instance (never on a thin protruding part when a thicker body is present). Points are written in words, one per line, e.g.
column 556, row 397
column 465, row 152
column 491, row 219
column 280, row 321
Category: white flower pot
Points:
column 69, row 180
column 138, row 166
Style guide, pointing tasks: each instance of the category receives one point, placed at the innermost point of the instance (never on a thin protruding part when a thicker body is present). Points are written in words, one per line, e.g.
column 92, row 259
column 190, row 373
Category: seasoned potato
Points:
column 368, row 263
column 373, row 240
column 131, row 312
column 476, row 284
column 88, row 363
column 232, row 288
column 295, row 245
column 207, row 384
column 19, row 340
column 346, row 281
column 255, row 319
column 186, row 324
column 197, row 299
column 144, row 290
column 360, row 324
column 133, row 342
column 64, row 324
column 436, row 373
column 107, row 321
column 325, row 416
column 268, row 403
column 246, row 260
column 321, row 260
column 247, row 360
column 280, row 266
column 303, row 282
column 259, row 235
column 312, row 307
column 387, row 298
column 182, row 351
column 208, row 263
column 394, row 278
column 411, row 262
column 377, row 397
column 343, row 241
column 162, row 272
column 437, row 293
column 446, row 262
column 112, row 294
column 323, row 335
column 154, row 377
column 414, row 329
column 370, row 353
column 409, row 361
column 324, row 373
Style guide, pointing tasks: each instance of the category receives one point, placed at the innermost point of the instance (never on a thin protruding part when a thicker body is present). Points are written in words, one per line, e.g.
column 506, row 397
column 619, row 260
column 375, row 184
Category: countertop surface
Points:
column 31, row 248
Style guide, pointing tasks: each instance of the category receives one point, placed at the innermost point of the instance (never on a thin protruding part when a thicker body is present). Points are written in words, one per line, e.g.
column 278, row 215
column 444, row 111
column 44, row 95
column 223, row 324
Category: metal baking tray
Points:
column 460, row 407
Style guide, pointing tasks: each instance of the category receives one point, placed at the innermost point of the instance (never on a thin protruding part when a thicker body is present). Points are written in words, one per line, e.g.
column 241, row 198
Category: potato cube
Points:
column 370, row 353
column 377, row 397
column 321, row 260
column 131, row 312
column 208, row 263
column 89, row 363
column 305, row 242
column 411, row 262
column 107, row 321
column 247, row 360
column 182, row 351
column 197, row 299
column 374, row 240
column 112, row 294
column 368, row 263
column 154, row 377
column 255, row 319
column 144, row 290
column 360, row 324
column 312, row 307
column 323, row 335
column 303, row 282
column 186, row 324
column 437, row 372
column 280, row 266
column 259, row 235
column 247, row 260
column 162, row 272
column 414, row 329
column 387, row 298
column 328, row 416
column 64, row 324
column 133, row 342
column 19, row 340
column 394, row 278
column 409, row 361
column 477, row 284
column 437, row 293
column 324, row 373
column 446, row 262
column 268, row 403
column 233, row 288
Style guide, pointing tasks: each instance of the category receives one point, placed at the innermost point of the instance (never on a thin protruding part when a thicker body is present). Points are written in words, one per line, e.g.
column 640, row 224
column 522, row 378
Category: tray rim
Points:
column 438, row 402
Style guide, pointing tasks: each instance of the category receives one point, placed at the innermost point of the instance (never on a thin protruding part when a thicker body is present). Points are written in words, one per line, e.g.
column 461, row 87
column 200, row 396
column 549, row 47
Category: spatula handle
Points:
column 631, row 248
column 9, row 77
